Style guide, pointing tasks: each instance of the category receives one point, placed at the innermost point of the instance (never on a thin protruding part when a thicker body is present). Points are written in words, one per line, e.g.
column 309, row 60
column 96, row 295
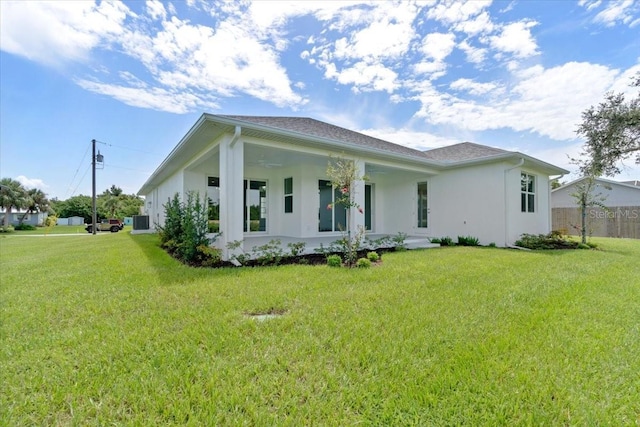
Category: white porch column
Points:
column 356, row 219
column 231, row 192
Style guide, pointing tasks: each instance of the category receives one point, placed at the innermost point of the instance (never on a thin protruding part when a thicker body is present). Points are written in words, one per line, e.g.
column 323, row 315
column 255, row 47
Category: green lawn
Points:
column 111, row 331
column 56, row 229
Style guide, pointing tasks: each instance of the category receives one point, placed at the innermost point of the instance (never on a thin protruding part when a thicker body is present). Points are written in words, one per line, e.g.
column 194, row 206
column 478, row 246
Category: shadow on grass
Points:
column 168, row 269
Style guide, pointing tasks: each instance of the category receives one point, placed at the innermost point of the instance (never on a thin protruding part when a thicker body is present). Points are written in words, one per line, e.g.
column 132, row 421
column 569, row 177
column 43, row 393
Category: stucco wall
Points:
column 538, row 222
column 469, row 202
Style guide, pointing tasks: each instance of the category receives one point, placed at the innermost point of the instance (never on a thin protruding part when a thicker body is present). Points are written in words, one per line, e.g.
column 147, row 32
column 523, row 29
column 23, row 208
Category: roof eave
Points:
column 146, row 187
column 606, row 181
column 546, row 167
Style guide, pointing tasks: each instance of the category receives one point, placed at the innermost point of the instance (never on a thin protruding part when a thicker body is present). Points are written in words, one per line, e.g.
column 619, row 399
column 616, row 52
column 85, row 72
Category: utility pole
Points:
column 93, row 183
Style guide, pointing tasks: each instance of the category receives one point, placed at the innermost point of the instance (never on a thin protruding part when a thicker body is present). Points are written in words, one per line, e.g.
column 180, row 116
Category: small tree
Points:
column 587, row 198
column 195, row 227
column 185, row 229
column 343, row 173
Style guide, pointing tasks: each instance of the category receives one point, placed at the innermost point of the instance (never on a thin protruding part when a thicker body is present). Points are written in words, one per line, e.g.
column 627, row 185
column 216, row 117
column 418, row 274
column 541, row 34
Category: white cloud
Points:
column 546, row 101
column 55, row 32
column 156, row 9
column 475, row 55
column 438, row 45
column 590, row 4
column 455, row 12
column 618, row 11
column 516, row 39
column 481, row 24
column 364, row 77
column 234, row 57
column 435, row 47
column 371, row 41
column 160, row 99
column 473, row 87
column 31, row 182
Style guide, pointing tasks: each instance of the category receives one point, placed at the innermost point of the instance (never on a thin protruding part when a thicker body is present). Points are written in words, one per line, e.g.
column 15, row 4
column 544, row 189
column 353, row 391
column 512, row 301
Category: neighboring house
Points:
column 620, row 219
column 72, row 220
column 35, row 218
column 266, row 176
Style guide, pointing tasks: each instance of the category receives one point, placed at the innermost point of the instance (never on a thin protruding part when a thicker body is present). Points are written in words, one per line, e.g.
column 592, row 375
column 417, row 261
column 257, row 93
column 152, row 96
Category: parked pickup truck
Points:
column 112, row 225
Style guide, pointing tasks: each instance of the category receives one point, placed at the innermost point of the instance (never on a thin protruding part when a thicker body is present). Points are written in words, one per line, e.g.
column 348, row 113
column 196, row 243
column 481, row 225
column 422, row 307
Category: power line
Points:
column 80, row 182
column 77, row 170
column 129, row 148
column 123, row 167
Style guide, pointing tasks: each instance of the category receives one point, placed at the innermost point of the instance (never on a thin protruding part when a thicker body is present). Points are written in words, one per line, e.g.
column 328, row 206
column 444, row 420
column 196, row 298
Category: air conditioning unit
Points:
column 141, row 222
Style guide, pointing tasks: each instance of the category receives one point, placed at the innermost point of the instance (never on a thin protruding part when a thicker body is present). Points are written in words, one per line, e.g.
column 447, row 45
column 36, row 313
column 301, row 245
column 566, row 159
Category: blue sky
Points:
column 137, row 75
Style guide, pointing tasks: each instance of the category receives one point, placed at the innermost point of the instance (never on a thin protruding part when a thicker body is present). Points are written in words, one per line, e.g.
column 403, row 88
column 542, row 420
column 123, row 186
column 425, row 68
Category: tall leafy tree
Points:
column 75, row 206
column 612, row 133
column 12, row 195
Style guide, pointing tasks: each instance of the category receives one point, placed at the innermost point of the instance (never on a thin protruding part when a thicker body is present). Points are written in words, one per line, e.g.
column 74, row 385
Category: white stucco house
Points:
column 615, row 193
column 621, row 219
column 268, row 177
column 24, row 217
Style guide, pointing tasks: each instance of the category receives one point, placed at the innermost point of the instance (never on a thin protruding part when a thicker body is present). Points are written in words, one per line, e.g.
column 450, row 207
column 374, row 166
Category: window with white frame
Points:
column 288, row 195
column 423, row 205
column 527, row 192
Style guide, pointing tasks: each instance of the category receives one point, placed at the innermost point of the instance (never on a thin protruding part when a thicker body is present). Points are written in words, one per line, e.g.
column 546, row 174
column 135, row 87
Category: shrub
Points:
column 269, row 253
column 208, row 256
column 373, row 256
column 399, row 239
column 468, row 241
column 435, row 240
column 546, row 241
column 7, row 229
column 24, row 227
column 296, row 248
column 363, row 263
column 241, row 256
column 583, row 246
column 382, row 242
column 446, row 241
column 334, row 261
column 50, row 221
column 172, row 229
column 185, row 228
column 492, row 244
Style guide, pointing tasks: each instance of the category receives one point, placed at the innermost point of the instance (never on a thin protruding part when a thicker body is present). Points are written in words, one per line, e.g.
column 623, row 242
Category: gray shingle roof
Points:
column 463, row 151
column 312, row 127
